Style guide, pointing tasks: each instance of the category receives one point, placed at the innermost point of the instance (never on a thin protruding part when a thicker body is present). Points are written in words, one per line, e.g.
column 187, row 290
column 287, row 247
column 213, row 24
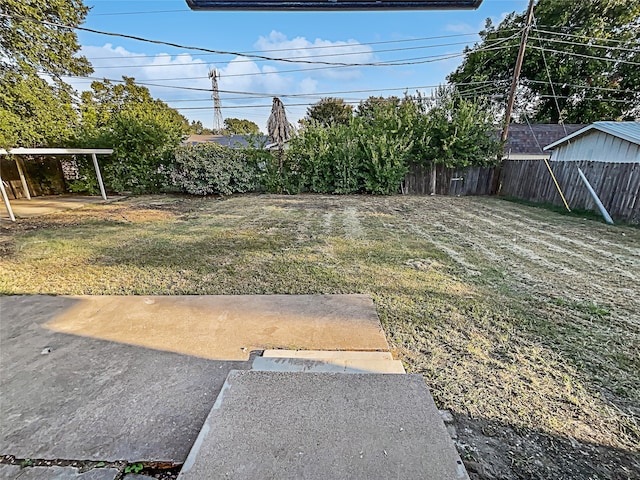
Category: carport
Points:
column 49, row 151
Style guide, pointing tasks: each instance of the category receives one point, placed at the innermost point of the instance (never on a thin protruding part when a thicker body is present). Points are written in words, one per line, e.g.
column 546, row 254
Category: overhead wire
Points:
column 549, row 32
column 319, row 47
column 363, row 52
column 402, row 61
column 209, row 50
column 553, row 90
column 589, row 45
column 314, row 94
column 588, row 87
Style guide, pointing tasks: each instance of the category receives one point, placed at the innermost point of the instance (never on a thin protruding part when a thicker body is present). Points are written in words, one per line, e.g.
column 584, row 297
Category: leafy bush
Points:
column 367, row 155
column 143, row 133
column 210, row 168
column 326, row 160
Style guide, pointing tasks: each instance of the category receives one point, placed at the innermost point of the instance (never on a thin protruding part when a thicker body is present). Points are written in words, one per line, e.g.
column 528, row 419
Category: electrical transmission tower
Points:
column 217, row 109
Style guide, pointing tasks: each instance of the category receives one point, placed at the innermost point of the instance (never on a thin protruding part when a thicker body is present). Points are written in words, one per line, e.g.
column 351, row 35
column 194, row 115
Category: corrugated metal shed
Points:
column 617, row 142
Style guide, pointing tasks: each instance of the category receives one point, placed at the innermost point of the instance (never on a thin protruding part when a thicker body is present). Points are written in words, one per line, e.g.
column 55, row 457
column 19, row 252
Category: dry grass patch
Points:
column 524, row 323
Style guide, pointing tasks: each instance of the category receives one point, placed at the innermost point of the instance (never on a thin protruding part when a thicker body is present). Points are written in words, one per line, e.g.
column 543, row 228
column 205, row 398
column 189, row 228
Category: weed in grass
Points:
column 134, row 468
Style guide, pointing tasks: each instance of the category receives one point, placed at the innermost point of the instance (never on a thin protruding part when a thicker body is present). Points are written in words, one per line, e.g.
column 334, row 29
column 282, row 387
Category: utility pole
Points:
column 495, row 186
column 516, row 71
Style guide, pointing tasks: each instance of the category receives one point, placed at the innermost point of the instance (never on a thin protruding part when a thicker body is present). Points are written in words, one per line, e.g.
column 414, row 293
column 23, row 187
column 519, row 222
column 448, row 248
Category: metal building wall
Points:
column 597, row 146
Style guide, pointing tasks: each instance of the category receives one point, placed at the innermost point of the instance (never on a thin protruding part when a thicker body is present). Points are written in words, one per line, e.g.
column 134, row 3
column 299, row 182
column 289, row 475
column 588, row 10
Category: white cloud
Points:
column 308, row 85
column 180, row 70
column 241, row 74
column 318, row 50
column 461, row 28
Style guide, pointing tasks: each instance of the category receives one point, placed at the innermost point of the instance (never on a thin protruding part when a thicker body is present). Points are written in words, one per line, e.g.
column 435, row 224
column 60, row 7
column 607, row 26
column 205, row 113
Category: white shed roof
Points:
column 629, row 131
column 56, row 151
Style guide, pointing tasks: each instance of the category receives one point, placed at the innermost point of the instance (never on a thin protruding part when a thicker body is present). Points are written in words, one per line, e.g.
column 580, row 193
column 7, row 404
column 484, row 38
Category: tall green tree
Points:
column 142, row 131
column 237, row 126
column 196, row 128
column 330, row 111
column 589, row 49
column 460, row 132
column 34, row 45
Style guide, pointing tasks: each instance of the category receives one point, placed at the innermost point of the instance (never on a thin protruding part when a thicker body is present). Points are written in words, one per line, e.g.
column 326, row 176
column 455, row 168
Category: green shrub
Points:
column 342, row 159
column 209, row 168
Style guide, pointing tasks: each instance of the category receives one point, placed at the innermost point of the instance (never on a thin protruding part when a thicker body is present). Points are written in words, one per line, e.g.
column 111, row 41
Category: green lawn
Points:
column 524, row 323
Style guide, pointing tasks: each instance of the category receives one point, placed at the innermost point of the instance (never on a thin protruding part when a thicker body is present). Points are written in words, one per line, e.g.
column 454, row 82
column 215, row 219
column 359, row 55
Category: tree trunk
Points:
column 433, row 178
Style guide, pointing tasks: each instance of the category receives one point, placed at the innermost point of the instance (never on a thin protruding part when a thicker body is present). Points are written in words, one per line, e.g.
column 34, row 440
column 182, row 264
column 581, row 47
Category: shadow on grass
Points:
column 575, row 212
column 494, row 450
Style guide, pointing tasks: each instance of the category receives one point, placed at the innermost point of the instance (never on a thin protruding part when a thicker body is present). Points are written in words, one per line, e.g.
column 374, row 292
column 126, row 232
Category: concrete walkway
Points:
column 135, row 379
column 24, row 208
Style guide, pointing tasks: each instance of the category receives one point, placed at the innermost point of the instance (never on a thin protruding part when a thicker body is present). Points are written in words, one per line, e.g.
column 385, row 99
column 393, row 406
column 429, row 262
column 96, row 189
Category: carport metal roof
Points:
column 50, row 151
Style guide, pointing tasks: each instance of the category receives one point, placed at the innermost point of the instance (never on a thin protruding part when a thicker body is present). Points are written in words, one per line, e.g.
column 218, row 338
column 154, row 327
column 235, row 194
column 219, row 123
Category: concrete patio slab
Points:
column 23, row 208
column 226, row 327
column 321, row 426
column 327, row 354
column 336, row 365
column 9, row 471
column 56, row 473
column 80, row 398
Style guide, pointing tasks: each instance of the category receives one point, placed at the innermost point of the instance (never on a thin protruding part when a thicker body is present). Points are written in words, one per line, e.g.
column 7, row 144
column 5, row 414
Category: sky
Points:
column 302, row 49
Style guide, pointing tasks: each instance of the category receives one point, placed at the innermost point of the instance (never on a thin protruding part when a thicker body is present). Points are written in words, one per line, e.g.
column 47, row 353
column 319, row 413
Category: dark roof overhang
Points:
column 333, row 4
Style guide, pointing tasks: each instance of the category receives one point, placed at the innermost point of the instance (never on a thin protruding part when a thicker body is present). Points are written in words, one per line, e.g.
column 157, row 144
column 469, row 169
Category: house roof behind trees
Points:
column 233, row 141
column 531, row 139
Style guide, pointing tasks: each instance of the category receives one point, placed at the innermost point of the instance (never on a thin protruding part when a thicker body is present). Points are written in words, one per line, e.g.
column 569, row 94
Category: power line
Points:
column 392, row 63
column 574, row 54
column 613, row 40
column 589, row 99
column 316, row 94
column 359, row 101
column 209, row 50
column 589, row 45
column 362, row 64
column 588, row 87
column 362, row 52
column 319, row 47
column 319, row 94
column 553, row 89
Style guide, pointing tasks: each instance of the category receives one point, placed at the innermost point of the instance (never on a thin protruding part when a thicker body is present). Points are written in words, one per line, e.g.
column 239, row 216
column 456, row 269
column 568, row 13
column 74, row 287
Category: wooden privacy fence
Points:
column 44, row 176
column 449, row 181
column 617, row 185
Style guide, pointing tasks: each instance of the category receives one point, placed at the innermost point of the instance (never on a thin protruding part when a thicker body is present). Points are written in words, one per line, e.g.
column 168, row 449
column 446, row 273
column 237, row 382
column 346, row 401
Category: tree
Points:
column 279, row 129
column 31, row 42
column 34, row 112
column 236, row 126
column 330, row 111
column 196, row 128
column 590, row 50
column 371, row 107
column 460, row 131
column 142, row 131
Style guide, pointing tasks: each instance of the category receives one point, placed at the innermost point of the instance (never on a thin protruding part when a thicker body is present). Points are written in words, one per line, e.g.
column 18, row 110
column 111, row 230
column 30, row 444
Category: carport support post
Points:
column 25, row 187
column 6, row 201
column 95, row 165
